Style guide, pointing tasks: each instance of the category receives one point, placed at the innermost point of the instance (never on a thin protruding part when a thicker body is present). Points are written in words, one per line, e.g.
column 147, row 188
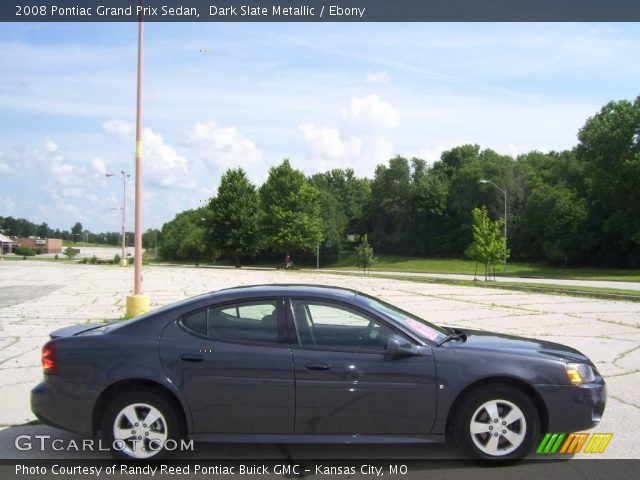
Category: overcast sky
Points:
column 323, row 95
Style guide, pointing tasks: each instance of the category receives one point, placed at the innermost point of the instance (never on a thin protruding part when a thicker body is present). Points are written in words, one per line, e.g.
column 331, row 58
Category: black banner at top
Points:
column 320, row 10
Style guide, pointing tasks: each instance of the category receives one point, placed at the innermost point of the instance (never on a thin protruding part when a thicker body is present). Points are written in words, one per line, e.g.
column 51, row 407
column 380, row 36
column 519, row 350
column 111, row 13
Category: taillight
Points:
column 49, row 364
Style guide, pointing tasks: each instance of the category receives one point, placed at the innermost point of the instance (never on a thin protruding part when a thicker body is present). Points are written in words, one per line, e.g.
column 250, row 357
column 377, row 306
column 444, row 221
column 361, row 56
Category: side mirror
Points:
column 399, row 346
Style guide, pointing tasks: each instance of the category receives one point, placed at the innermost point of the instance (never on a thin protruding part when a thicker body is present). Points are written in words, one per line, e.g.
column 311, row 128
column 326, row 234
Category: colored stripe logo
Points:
column 572, row 443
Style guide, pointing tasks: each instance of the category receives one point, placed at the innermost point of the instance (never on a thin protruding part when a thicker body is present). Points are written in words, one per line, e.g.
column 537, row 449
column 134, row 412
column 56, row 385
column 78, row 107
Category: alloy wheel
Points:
column 498, row 427
column 140, row 430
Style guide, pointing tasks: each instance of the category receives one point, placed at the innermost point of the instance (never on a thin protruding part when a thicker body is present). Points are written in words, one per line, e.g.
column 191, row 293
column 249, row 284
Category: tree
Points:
column 364, row 255
column 18, row 227
column 389, row 205
column 43, row 230
column 344, row 199
column 76, row 231
column 427, row 214
column 353, row 194
column 193, row 245
column 185, row 237
column 290, row 217
column 233, row 220
column 553, row 225
column 334, row 224
column 70, row 252
column 489, row 246
column 609, row 148
column 151, row 239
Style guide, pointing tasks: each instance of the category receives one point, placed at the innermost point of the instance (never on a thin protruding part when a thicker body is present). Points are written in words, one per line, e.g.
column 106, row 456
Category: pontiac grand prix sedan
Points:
column 295, row 363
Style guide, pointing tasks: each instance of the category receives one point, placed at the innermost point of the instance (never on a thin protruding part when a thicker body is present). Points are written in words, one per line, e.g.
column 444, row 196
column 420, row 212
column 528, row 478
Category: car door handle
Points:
column 317, row 366
column 187, row 357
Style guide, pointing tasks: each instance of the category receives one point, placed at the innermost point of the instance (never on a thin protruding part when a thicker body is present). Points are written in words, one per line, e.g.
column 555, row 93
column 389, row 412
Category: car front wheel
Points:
column 497, row 423
column 138, row 425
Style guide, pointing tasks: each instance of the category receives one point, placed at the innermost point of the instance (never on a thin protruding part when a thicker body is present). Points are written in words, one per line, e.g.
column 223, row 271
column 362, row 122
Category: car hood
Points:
column 481, row 340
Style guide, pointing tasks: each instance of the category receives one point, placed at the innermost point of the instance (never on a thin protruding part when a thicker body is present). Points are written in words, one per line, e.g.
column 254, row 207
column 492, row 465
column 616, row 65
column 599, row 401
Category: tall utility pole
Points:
column 137, row 285
column 123, row 210
column 137, row 304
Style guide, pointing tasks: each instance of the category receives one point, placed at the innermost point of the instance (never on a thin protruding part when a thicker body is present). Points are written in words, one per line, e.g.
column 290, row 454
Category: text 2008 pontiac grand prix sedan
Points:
column 295, row 363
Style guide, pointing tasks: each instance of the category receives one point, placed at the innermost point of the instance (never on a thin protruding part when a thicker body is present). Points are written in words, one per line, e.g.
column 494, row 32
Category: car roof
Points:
column 324, row 291
column 142, row 324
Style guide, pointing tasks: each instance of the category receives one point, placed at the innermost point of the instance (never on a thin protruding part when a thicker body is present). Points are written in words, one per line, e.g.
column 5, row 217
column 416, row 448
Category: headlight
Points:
column 579, row 373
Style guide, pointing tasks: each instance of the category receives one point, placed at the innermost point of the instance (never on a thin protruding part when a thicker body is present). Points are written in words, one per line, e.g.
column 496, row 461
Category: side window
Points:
column 196, row 322
column 244, row 322
column 324, row 324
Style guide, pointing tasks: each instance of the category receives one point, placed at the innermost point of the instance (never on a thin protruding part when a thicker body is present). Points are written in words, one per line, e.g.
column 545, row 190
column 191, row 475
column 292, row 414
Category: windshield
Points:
column 423, row 329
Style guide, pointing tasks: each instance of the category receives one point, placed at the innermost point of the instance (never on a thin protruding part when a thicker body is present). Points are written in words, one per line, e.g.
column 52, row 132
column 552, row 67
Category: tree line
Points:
column 21, row 227
column 574, row 207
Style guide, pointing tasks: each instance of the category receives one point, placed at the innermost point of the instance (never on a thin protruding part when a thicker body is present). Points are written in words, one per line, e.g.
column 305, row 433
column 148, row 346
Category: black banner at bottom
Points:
column 401, row 469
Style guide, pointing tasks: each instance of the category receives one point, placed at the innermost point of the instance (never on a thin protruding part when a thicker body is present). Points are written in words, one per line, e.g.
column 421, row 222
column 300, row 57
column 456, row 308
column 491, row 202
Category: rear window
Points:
column 196, row 322
column 246, row 322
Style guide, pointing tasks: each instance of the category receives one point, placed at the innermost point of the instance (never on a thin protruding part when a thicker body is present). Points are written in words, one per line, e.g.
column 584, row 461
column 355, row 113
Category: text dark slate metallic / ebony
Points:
column 309, row 364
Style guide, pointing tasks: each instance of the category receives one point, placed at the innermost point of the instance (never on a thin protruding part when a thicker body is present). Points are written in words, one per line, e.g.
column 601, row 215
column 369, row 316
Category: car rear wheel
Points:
column 497, row 423
column 140, row 425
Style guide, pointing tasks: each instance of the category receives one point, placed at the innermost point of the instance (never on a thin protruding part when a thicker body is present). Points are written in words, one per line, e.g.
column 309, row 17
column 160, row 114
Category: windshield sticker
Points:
column 421, row 328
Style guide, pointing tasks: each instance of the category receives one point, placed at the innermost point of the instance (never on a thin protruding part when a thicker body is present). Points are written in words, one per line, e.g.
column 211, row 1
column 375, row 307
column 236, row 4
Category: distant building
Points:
column 45, row 245
column 5, row 243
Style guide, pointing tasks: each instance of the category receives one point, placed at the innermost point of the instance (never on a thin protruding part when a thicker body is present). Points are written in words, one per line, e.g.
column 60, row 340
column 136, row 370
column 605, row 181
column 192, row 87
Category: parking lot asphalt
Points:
column 38, row 297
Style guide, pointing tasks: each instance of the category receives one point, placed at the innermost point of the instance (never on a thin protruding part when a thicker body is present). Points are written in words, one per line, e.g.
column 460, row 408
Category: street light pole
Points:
column 504, row 192
column 123, row 209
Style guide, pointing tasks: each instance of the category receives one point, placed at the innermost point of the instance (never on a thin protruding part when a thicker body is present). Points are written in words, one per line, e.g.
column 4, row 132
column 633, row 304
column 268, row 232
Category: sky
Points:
column 322, row 95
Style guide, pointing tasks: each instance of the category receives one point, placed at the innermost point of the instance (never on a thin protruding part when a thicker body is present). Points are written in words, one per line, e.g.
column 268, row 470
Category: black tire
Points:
column 144, row 440
column 501, row 441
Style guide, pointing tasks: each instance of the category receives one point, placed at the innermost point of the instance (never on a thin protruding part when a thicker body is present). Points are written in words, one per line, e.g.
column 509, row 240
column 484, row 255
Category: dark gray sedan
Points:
column 294, row 363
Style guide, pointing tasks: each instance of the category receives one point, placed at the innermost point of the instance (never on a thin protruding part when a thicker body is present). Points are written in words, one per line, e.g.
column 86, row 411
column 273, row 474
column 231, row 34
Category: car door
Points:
column 345, row 381
column 233, row 367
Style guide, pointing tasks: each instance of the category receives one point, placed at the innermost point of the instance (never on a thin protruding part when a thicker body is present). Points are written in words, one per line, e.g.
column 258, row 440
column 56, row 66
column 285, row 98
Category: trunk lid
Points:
column 78, row 329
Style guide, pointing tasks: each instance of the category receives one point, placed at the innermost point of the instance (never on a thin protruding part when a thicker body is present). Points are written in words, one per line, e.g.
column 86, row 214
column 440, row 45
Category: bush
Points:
column 70, row 252
column 24, row 251
column 94, row 260
column 56, row 257
column 116, row 259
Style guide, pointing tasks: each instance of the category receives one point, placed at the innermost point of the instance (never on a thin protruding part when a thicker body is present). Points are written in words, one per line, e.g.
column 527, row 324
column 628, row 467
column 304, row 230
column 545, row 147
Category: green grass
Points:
column 576, row 291
column 395, row 263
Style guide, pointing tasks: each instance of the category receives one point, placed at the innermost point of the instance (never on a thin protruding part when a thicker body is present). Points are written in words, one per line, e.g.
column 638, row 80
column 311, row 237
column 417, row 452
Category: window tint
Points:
column 244, row 322
column 324, row 324
column 196, row 322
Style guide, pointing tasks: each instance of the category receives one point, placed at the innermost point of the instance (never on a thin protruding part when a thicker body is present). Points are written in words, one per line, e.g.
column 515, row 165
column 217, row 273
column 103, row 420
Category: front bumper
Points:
column 572, row 408
column 65, row 405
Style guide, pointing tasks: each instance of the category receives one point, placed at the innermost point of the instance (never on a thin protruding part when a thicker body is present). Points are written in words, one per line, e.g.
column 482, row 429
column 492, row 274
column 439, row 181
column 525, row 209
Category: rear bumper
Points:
column 572, row 408
column 65, row 405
